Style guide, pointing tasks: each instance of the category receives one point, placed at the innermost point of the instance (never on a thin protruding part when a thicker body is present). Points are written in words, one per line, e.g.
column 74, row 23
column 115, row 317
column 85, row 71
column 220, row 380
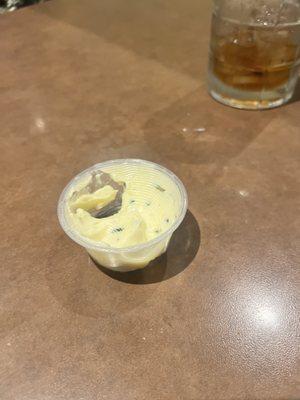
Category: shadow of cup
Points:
column 182, row 249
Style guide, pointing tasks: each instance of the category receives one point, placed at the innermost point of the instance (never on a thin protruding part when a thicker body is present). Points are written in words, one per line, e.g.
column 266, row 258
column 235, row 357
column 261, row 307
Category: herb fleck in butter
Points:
column 117, row 230
column 158, row 187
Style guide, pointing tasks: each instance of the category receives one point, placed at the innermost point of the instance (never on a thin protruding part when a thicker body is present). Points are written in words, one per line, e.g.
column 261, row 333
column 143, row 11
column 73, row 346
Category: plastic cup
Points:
column 132, row 257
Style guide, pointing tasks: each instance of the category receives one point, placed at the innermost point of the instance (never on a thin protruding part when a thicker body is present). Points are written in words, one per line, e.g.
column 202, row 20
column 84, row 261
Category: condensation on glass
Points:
column 254, row 52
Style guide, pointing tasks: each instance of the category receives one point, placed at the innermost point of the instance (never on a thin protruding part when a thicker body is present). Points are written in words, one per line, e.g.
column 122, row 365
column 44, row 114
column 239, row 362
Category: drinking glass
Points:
column 254, row 52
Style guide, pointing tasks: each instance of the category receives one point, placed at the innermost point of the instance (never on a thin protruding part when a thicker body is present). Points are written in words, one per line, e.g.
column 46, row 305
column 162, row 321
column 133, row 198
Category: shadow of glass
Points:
column 182, row 250
column 198, row 130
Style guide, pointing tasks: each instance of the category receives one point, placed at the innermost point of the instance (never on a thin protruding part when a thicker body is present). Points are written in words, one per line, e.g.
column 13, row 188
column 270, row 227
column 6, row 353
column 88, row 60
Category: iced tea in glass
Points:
column 254, row 52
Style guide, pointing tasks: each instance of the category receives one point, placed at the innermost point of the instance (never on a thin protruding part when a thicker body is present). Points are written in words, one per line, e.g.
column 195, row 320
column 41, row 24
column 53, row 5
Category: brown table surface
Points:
column 215, row 318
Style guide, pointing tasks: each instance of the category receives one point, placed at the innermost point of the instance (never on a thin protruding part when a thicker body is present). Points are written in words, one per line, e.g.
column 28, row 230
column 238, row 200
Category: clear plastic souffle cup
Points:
column 135, row 256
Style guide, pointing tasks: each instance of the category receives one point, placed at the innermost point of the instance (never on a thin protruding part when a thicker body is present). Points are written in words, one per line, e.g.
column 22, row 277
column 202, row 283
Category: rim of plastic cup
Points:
column 87, row 243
